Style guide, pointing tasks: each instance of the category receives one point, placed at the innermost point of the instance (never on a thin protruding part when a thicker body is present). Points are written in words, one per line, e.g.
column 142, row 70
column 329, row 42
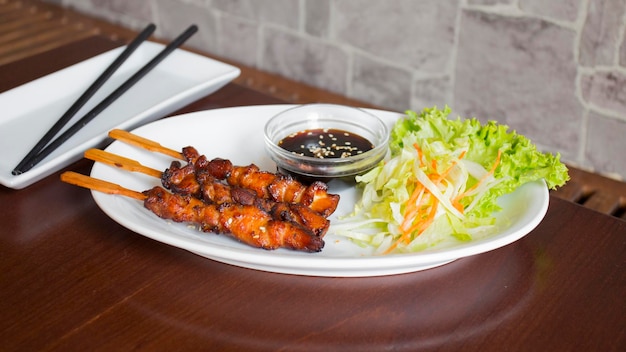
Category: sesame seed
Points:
column 313, row 143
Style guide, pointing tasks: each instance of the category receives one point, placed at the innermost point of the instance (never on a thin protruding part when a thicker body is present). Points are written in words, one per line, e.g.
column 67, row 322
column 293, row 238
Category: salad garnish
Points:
column 441, row 181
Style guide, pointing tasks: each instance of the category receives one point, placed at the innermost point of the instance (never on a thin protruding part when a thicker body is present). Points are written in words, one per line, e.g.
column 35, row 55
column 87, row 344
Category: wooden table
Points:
column 73, row 279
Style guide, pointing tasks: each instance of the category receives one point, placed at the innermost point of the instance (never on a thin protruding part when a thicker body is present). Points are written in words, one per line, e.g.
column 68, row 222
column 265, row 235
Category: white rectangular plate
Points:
column 28, row 111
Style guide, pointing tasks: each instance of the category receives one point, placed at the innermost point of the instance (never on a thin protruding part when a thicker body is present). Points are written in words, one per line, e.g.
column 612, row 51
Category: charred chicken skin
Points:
column 205, row 186
column 216, row 192
column 247, row 193
column 266, row 185
column 247, row 223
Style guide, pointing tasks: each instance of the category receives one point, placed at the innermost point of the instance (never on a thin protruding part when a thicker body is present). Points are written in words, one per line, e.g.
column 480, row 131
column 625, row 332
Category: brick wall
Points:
column 552, row 70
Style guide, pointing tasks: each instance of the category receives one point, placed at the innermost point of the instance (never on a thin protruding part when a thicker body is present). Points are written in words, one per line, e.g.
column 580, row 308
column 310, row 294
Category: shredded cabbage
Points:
column 441, row 182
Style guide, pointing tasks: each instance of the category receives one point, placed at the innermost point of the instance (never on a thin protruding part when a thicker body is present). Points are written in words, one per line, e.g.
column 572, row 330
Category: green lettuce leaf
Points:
column 520, row 161
column 485, row 161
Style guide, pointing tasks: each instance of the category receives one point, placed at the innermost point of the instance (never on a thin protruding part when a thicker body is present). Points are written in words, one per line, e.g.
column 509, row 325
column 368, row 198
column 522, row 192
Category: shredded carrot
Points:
column 422, row 225
column 420, row 154
column 462, row 155
column 421, row 207
column 457, row 205
column 391, row 248
column 482, row 179
column 445, row 173
column 412, row 207
column 419, row 188
column 419, row 227
column 412, row 204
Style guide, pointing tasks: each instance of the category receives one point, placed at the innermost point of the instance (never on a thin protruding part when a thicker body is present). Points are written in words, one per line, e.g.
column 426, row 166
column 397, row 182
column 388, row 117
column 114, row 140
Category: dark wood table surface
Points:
column 73, row 279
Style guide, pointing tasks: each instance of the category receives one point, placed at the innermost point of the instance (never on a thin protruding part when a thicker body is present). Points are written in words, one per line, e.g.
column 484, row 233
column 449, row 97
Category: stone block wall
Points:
column 552, row 70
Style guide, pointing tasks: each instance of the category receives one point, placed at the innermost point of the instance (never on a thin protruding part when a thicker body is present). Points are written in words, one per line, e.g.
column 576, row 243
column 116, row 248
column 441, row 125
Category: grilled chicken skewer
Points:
column 215, row 192
column 266, row 185
column 183, row 179
column 247, row 223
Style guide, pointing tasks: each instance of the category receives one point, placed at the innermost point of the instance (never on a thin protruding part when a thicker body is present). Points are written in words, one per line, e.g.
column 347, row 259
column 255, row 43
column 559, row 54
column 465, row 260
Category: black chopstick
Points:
column 97, row 84
column 108, row 100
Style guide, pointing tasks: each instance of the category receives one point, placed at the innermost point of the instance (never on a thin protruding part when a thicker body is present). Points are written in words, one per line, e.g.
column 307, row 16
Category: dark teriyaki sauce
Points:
column 325, row 143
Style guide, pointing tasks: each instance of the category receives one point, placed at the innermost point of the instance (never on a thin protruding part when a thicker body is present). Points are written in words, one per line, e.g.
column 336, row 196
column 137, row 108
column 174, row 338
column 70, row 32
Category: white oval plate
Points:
column 237, row 134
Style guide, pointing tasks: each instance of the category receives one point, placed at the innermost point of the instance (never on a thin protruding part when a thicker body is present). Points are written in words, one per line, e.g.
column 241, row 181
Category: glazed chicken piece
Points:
column 299, row 214
column 216, row 192
column 213, row 190
column 315, row 196
column 280, row 188
column 204, row 186
column 250, row 177
column 266, row 185
column 283, row 197
column 247, row 223
column 181, row 179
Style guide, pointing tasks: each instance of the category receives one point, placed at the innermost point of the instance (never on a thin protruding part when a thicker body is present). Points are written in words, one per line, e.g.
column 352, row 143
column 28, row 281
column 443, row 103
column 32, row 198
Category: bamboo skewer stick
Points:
column 121, row 162
column 88, row 182
column 133, row 139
